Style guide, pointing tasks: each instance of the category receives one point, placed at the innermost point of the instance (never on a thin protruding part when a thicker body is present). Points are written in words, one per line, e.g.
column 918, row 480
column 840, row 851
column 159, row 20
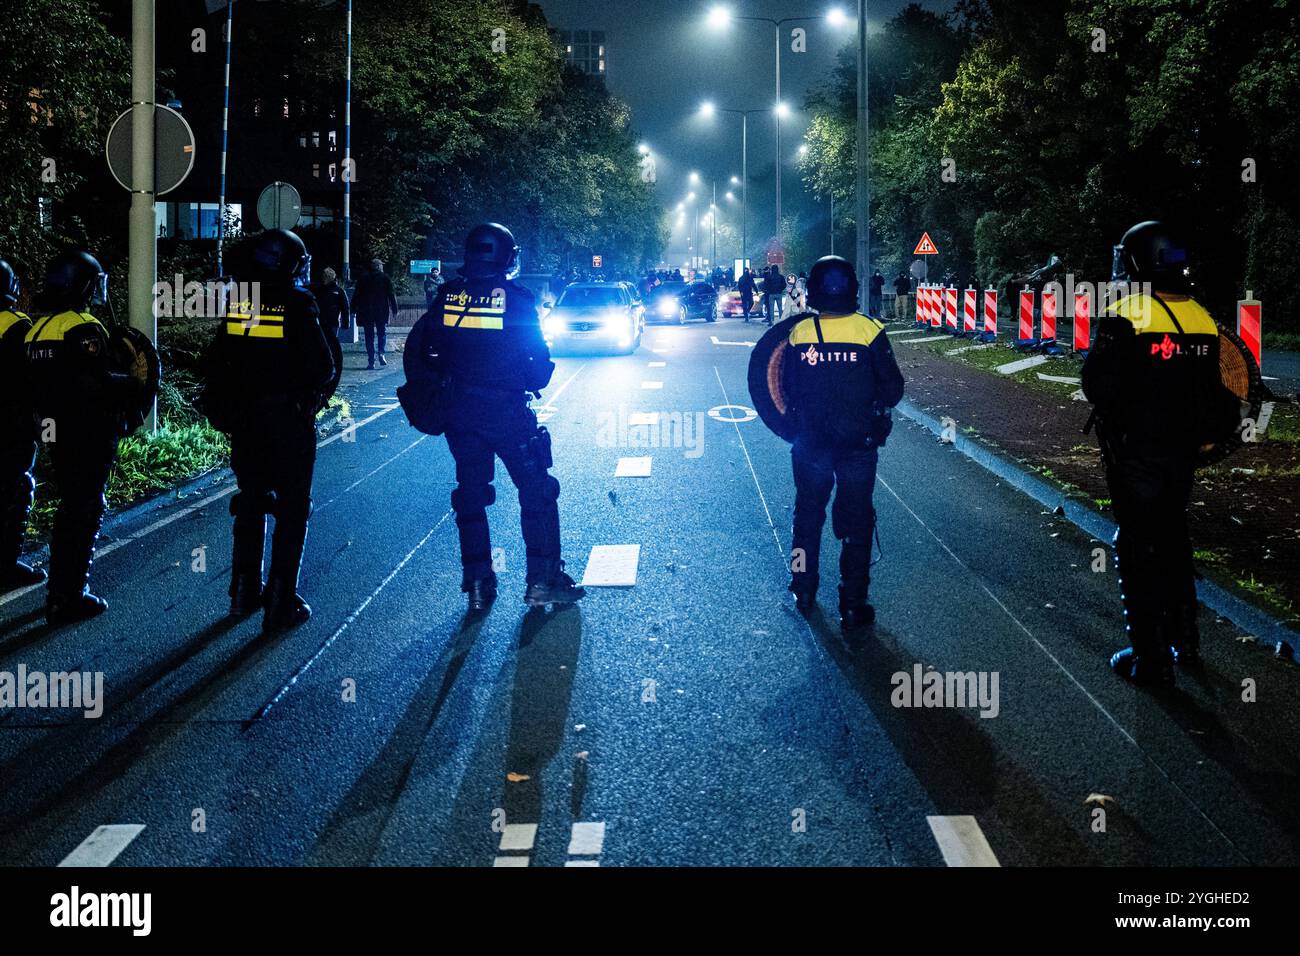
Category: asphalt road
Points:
column 693, row 718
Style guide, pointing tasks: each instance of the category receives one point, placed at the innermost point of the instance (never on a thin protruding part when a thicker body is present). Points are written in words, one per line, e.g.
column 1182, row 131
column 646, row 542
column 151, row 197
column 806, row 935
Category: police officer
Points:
column 841, row 380
column 17, row 437
column 489, row 344
column 80, row 401
column 267, row 373
column 1153, row 378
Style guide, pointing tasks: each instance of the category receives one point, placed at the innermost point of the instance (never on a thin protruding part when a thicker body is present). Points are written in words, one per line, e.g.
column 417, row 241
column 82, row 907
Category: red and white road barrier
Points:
column 951, row 311
column 935, row 306
column 1049, row 316
column 1026, row 315
column 1082, row 321
column 991, row 312
column 968, row 311
column 920, row 304
column 1250, row 326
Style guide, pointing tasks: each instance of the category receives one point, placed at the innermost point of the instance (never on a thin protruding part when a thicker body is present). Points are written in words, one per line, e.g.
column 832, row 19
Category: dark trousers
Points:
column 82, row 463
column 851, row 473
column 17, row 455
column 505, row 428
column 273, row 457
column 377, row 330
column 875, row 304
column 1153, row 550
column 747, row 303
column 771, row 305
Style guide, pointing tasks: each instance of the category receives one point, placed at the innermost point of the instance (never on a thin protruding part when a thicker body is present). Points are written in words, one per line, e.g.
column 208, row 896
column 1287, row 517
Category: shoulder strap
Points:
column 817, row 324
column 1173, row 318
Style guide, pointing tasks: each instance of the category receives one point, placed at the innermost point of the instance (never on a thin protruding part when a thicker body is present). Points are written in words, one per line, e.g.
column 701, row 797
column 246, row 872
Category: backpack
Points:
column 425, row 396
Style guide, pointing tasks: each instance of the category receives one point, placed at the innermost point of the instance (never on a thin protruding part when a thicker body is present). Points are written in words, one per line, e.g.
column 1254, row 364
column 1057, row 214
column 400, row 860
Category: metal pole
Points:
column 863, row 199
column 832, row 222
column 744, row 189
column 347, row 160
column 225, row 141
column 713, row 225
column 778, row 135
column 143, row 234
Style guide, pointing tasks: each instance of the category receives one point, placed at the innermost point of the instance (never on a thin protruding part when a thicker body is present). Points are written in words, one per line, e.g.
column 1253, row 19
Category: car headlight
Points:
column 552, row 325
column 667, row 306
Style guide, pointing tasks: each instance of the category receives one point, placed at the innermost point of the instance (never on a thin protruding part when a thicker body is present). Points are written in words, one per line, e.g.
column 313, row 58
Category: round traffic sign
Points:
column 279, row 206
column 747, row 414
column 173, row 149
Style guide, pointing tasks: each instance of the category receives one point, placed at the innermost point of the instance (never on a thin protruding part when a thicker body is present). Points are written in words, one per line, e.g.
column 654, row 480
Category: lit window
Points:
column 284, row 108
column 302, row 140
column 334, row 172
column 315, row 140
column 315, row 170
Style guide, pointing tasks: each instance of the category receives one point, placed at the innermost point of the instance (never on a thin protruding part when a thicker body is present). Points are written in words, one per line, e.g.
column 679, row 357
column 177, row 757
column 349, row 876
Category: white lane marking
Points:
column 656, row 364
column 104, row 845
column 106, row 550
column 588, row 839
column 643, row 418
column 550, row 399
column 612, row 566
column 633, row 468
column 659, row 351
column 1061, row 667
column 971, row 348
column 1011, row 368
column 718, row 341
column 582, row 863
column 961, row 841
column 351, row 618
column 905, row 332
column 928, row 338
column 510, row 861
column 369, row 475
column 652, row 384
column 518, row 836
column 745, row 448
column 1062, row 379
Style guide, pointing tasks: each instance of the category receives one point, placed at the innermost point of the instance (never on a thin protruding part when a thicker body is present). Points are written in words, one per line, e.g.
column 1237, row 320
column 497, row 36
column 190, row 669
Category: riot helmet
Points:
column 73, row 280
column 490, row 250
column 1152, row 252
column 279, row 255
column 10, row 286
column 833, row 286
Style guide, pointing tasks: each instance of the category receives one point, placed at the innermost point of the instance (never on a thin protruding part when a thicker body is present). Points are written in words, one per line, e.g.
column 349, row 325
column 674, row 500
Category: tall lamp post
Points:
column 864, row 204
column 721, row 16
column 707, row 109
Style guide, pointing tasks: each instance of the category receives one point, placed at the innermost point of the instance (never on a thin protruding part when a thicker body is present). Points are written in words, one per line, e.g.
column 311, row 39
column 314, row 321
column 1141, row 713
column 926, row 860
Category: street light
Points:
column 708, row 109
column 720, row 17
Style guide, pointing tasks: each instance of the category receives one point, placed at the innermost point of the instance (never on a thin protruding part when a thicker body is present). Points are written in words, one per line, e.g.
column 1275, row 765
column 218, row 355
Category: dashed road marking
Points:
column 656, row 364
column 104, row 845
column 518, row 836
column 582, row 863
column 510, row 861
column 652, row 384
column 633, row 468
column 587, row 839
column 961, row 841
column 928, row 338
column 643, row 418
column 612, row 566
column 718, row 341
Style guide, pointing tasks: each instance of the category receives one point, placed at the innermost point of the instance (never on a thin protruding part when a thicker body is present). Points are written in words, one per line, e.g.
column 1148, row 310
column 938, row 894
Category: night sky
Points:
column 664, row 59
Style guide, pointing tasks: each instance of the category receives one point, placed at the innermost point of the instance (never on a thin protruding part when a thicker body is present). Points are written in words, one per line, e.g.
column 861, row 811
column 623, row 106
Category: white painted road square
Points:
column 519, row 836
column 961, row 841
column 103, row 846
column 652, row 384
column 656, row 364
column 1011, row 368
column 612, row 566
column 588, row 839
column 643, row 418
column 633, row 468
column 510, row 861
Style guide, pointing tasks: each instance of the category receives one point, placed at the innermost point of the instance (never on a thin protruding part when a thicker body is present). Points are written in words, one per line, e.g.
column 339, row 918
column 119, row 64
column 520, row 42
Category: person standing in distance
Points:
column 842, row 380
column 267, row 373
column 1153, row 378
column 17, row 437
column 373, row 303
column 488, row 342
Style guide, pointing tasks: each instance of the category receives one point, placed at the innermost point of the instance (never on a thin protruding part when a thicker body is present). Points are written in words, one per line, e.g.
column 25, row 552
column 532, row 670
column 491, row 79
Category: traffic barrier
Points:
column 1082, row 321
column 1048, row 334
column 920, row 305
column 1026, row 315
column 968, row 312
column 1250, row 323
column 951, row 296
column 991, row 312
column 935, row 306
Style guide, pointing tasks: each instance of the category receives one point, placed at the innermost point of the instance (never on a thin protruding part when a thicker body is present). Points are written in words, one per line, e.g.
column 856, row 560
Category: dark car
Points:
column 679, row 301
column 604, row 315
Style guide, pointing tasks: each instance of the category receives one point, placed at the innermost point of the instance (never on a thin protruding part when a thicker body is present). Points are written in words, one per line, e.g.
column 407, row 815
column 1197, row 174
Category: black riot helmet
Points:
column 73, row 280
column 278, row 255
column 1152, row 252
column 833, row 286
column 490, row 250
column 10, row 287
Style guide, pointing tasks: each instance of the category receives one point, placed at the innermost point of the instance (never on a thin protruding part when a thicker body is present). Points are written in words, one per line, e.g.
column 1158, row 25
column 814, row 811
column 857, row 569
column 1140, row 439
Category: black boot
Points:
column 1147, row 660
column 246, row 594
column 1185, row 636
column 13, row 531
column 804, row 591
column 481, row 593
column 855, row 612
column 553, row 586
column 69, row 608
column 285, row 607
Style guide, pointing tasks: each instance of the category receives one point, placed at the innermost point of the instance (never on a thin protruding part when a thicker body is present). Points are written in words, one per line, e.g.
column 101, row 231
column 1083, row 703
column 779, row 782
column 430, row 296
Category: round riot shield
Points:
column 135, row 356
column 766, row 371
column 1240, row 375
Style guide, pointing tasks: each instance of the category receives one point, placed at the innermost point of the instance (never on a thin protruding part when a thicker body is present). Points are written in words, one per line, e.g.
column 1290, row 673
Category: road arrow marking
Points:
column 718, row 341
column 961, row 841
column 104, row 845
column 1011, row 368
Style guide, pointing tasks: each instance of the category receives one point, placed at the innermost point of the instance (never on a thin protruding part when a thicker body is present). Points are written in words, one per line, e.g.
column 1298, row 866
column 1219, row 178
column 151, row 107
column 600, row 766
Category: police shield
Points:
column 1240, row 375
column 134, row 356
column 766, row 376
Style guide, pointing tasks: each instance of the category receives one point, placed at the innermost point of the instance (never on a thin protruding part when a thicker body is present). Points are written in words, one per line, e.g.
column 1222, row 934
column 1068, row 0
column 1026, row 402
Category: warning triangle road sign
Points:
column 926, row 247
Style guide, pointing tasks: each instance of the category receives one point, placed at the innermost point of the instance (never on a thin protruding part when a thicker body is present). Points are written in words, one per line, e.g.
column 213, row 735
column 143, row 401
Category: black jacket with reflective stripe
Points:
column 486, row 334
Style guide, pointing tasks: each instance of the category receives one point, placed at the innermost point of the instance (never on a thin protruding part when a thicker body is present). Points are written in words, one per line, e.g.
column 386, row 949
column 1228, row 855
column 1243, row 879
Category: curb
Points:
column 1244, row 615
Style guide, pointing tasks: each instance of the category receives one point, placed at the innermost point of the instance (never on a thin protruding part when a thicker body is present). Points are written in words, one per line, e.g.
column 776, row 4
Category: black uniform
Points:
column 267, row 372
column 1153, row 375
column 17, row 439
column 841, row 380
column 80, row 402
column 490, row 344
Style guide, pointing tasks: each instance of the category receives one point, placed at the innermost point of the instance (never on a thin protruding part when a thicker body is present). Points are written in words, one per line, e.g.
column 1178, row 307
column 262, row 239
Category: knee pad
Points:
column 539, row 493
column 472, row 497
